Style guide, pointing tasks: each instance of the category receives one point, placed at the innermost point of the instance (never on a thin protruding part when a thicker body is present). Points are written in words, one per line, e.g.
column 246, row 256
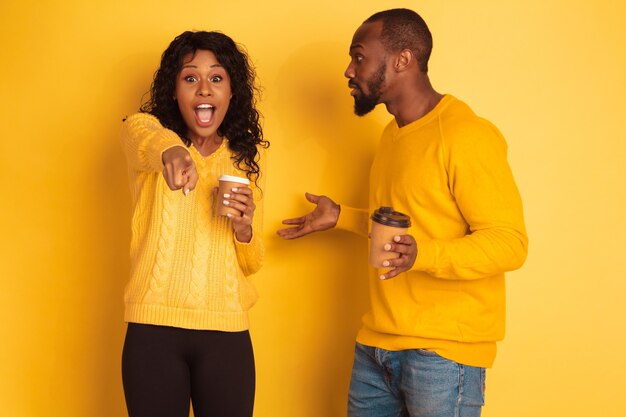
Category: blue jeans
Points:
column 413, row 383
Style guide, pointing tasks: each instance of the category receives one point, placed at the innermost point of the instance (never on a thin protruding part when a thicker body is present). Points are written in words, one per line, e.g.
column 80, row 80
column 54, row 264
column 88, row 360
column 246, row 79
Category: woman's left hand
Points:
column 241, row 199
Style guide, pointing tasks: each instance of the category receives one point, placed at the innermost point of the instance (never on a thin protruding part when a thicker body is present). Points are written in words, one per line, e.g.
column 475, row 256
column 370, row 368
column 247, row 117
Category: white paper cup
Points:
column 226, row 184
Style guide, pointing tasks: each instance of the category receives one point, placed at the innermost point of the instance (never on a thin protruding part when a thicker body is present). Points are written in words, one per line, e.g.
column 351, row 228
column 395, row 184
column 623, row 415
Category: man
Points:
column 438, row 310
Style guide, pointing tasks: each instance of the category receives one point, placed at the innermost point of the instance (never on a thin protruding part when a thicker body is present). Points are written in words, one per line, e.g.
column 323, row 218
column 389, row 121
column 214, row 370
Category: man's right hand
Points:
column 179, row 169
column 323, row 217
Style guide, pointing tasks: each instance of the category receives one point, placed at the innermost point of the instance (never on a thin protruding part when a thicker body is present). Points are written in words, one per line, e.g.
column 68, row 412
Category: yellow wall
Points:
column 550, row 74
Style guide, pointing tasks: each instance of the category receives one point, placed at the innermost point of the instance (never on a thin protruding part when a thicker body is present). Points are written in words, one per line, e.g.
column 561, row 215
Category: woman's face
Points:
column 203, row 94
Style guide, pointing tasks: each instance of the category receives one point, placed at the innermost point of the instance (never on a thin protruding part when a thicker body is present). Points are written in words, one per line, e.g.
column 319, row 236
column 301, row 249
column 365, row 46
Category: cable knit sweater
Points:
column 187, row 268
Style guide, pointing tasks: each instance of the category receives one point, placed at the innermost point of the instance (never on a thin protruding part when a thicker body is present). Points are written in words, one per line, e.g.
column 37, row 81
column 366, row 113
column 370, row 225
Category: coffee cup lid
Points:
column 232, row 178
column 389, row 217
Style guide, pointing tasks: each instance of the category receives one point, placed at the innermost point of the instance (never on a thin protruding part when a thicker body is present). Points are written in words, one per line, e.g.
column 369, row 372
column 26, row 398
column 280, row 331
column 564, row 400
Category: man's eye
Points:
column 358, row 58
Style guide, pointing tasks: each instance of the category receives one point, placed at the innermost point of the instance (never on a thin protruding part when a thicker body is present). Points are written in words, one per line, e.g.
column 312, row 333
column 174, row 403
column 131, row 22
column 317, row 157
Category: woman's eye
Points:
column 216, row 79
column 358, row 58
column 190, row 78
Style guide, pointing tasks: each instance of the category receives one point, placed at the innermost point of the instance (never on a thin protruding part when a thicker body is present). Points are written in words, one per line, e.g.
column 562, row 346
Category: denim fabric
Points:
column 413, row 383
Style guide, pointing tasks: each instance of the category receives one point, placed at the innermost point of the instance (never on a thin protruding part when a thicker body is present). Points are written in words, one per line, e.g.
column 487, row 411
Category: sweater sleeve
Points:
column 144, row 140
column 353, row 220
column 250, row 255
column 483, row 187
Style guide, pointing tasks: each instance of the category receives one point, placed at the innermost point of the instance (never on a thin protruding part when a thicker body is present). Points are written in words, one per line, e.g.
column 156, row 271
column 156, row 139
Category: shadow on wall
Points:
column 322, row 143
column 111, row 234
column 114, row 239
column 317, row 285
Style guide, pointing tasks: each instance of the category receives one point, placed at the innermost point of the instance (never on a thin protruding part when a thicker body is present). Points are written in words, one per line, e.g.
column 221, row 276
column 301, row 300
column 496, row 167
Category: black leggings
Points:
column 164, row 367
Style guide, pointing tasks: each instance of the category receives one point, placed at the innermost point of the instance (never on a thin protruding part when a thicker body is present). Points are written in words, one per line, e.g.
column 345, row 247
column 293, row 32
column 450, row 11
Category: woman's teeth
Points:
column 204, row 112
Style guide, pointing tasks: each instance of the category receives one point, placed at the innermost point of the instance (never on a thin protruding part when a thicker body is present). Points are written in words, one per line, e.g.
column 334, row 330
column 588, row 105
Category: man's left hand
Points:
column 406, row 246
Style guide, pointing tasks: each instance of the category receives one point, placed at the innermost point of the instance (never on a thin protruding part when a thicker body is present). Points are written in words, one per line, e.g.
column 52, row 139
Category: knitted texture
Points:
column 187, row 268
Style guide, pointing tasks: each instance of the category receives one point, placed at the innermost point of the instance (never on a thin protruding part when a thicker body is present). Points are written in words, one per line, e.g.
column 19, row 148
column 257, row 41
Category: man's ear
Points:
column 404, row 60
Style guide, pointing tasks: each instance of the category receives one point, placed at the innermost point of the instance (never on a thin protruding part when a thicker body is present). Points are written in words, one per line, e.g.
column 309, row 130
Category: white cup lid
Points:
column 232, row 178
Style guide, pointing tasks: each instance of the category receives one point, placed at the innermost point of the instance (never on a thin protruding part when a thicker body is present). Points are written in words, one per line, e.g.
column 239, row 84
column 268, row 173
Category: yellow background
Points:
column 549, row 74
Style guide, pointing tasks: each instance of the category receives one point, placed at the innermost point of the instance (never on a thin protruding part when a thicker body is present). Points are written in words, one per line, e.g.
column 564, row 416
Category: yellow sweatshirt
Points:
column 187, row 268
column 449, row 172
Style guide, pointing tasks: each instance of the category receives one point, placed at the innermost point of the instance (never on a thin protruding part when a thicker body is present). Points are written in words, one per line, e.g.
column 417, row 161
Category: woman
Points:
column 187, row 299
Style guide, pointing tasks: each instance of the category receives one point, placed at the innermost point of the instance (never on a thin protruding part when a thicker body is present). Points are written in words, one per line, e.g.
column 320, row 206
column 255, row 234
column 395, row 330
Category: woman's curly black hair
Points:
column 241, row 124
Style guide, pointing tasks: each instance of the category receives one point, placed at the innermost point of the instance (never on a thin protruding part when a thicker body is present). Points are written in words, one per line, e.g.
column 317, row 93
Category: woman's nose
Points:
column 204, row 88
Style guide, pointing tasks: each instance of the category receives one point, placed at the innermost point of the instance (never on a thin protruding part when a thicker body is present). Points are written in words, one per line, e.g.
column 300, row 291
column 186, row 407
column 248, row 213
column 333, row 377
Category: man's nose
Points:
column 349, row 72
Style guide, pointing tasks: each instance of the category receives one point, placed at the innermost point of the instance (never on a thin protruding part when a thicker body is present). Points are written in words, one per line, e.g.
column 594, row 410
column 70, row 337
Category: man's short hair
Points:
column 405, row 29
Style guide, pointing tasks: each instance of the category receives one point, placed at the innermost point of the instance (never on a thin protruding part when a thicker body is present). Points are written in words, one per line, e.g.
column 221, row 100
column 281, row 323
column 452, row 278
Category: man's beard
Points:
column 364, row 104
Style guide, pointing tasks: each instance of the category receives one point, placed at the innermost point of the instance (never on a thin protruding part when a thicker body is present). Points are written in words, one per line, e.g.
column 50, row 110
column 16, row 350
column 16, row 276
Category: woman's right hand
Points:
column 179, row 169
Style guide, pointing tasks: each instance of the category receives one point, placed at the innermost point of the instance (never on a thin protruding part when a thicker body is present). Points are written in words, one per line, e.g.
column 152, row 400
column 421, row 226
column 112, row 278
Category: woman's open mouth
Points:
column 204, row 114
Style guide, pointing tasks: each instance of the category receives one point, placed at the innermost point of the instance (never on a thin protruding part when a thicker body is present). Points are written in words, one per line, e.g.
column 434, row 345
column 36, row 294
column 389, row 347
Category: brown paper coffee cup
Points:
column 386, row 223
column 226, row 184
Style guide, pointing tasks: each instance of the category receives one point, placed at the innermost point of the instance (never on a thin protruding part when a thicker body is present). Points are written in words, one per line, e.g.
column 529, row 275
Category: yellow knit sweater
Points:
column 187, row 268
column 449, row 172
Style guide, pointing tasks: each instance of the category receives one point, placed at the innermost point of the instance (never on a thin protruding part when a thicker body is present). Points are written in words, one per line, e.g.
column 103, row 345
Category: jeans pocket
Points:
column 483, row 383
column 425, row 352
column 473, row 387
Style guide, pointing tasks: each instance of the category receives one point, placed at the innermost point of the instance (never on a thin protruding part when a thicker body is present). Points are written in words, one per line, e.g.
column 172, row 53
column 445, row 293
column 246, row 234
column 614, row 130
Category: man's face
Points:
column 366, row 99
column 367, row 68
